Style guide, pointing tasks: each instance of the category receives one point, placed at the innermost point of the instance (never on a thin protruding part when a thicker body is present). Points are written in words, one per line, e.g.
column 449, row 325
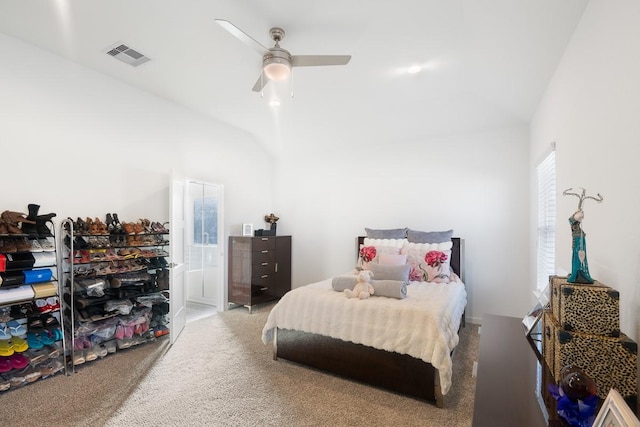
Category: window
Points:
column 205, row 221
column 546, row 173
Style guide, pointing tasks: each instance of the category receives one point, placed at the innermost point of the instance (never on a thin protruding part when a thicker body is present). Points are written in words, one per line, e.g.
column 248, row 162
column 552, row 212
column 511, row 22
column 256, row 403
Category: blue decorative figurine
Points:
column 579, row 265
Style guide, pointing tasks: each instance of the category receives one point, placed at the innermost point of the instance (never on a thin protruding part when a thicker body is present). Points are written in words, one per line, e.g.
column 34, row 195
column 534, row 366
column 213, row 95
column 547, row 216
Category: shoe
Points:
column 34, row 340
column 54, row 350
column 31, row 374
column 42, row 227
column 49, row 322
column 5, row 333
column 35, row 245
column 37, row 356
column 51, row 368
column 78, row 358
column 46, row 245
column 6, row 348
column 31, row 228
column 23, row 244
column 9, row 246
column 17, row 327
column 18, row 361
column 15, row 218
column 79, row 226
column 35, row 324
column 5, row 364
column 161, row 331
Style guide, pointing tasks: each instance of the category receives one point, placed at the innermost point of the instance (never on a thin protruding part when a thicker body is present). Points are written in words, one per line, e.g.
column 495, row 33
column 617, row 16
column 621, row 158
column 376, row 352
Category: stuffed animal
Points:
column 363, row 288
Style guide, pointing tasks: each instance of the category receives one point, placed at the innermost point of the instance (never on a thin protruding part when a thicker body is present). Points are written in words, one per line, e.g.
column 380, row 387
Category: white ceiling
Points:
column 487, row 62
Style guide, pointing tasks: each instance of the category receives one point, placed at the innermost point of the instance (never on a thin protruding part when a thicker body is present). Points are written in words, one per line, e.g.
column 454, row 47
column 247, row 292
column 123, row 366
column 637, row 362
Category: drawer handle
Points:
column 265, row 251
column 264, row 276
column 264, row 289
column 264, row 239
column 265, row 263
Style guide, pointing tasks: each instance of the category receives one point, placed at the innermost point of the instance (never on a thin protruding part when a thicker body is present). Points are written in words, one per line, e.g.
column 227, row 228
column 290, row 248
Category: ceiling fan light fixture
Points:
column 277, row 69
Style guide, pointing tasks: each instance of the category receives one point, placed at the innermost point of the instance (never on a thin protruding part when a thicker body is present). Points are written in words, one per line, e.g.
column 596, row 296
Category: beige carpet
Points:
column 85, row 398
column 220, row 374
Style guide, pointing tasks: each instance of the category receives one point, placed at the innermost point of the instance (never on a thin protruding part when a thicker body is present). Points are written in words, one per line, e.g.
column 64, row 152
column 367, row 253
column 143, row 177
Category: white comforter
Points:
column 423, row 325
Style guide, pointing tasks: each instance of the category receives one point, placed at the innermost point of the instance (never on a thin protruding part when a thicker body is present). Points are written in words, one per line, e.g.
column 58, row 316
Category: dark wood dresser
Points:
column 511, row 387
column 259, row 269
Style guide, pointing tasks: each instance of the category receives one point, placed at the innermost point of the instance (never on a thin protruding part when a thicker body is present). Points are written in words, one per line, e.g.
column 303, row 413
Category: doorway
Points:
column 204, row 249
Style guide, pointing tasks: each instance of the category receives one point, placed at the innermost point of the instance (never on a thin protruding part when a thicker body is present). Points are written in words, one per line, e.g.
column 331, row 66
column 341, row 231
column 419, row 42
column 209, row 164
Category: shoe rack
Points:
column 32, row 344
column 115, row 285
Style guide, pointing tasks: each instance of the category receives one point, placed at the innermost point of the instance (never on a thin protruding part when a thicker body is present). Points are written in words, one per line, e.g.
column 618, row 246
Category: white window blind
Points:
column 546, row 172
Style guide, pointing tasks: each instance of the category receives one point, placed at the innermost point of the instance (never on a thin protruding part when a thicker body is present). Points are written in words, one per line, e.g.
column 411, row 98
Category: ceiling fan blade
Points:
column 242, row 36
column 315, row 60
column 261, row 82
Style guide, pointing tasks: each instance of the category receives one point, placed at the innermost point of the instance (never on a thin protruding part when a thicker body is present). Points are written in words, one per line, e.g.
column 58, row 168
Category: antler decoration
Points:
column 568, row 192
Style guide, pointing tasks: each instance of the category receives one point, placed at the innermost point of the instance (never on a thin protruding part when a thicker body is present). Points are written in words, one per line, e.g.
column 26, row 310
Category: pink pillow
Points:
column 392, row 259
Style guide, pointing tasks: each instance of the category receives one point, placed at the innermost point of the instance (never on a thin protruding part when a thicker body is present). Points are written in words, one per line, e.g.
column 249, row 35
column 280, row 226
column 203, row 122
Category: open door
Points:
column 178, row 294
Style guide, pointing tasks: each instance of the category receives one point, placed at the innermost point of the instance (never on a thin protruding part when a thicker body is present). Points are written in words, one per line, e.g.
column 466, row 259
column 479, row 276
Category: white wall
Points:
column 592, row 111
column 79, row 143
column 476, row 184
column 85, row 145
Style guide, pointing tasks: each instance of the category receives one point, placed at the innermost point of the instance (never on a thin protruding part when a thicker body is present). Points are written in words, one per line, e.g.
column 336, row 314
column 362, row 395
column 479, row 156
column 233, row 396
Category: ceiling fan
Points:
column 276, row 61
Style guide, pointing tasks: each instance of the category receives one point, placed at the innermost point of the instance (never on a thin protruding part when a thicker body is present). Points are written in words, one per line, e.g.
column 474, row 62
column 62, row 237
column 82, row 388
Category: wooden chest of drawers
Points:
column 259, row 269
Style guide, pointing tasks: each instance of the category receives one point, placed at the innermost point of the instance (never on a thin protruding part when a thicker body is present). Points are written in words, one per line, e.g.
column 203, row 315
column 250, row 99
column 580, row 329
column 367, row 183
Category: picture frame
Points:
column 247, row 229
column 615, row 412
column 534, row 315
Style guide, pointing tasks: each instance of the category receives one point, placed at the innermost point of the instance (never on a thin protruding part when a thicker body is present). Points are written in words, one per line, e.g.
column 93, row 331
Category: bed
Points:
column 369, row 340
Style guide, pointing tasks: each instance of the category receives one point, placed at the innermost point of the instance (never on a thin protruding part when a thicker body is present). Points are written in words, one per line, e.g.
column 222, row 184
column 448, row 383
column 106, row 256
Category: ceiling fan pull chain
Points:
column 291, row 83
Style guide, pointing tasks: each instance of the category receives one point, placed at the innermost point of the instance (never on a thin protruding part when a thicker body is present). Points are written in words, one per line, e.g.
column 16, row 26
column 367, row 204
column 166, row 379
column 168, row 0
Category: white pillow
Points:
column 416, row 252
column 392, row 259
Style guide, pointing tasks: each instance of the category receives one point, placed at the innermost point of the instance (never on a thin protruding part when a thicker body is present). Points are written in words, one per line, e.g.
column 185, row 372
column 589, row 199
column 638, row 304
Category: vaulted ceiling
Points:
column 485, row 63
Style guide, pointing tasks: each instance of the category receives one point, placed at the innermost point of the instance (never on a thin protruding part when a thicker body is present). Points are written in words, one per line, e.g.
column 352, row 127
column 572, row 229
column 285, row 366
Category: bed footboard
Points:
column 396, row 372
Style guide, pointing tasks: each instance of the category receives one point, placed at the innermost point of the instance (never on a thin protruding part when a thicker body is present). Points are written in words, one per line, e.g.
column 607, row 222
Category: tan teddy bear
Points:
column 363, row 288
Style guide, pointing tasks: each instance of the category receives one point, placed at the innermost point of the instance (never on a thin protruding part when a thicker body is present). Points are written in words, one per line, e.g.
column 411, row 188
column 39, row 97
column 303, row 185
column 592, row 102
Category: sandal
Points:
column 37, row 356
column 6, row 348
column 17, row 328
column 54, row 350
column 18, row 361
column 5, row 333
column 49, row 321
column 35, row 324
column 5, row 364
column 34, row 341
column 19, row 345
column 32, row 374
column 102, row 350
column 78, row 358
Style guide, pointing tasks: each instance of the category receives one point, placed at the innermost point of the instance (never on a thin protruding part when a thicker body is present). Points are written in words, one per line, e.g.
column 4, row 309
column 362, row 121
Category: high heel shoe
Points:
column 109, row 223
column 79, row 227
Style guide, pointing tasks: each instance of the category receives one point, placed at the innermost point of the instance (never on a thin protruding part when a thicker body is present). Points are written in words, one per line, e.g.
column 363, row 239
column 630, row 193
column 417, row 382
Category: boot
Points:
column 12, row 219
column 42, row 228
column 28, row 228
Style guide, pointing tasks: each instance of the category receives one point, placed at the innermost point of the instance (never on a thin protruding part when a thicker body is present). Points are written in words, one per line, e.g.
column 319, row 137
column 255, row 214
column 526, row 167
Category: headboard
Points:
column 457, row 254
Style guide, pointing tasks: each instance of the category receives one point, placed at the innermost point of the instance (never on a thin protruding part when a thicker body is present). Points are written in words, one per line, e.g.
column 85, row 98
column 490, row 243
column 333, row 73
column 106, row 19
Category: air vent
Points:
column 125, row 54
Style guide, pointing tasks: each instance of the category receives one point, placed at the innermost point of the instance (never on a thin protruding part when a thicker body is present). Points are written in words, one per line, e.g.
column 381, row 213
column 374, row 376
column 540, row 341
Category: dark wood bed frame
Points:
column 396, row 372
